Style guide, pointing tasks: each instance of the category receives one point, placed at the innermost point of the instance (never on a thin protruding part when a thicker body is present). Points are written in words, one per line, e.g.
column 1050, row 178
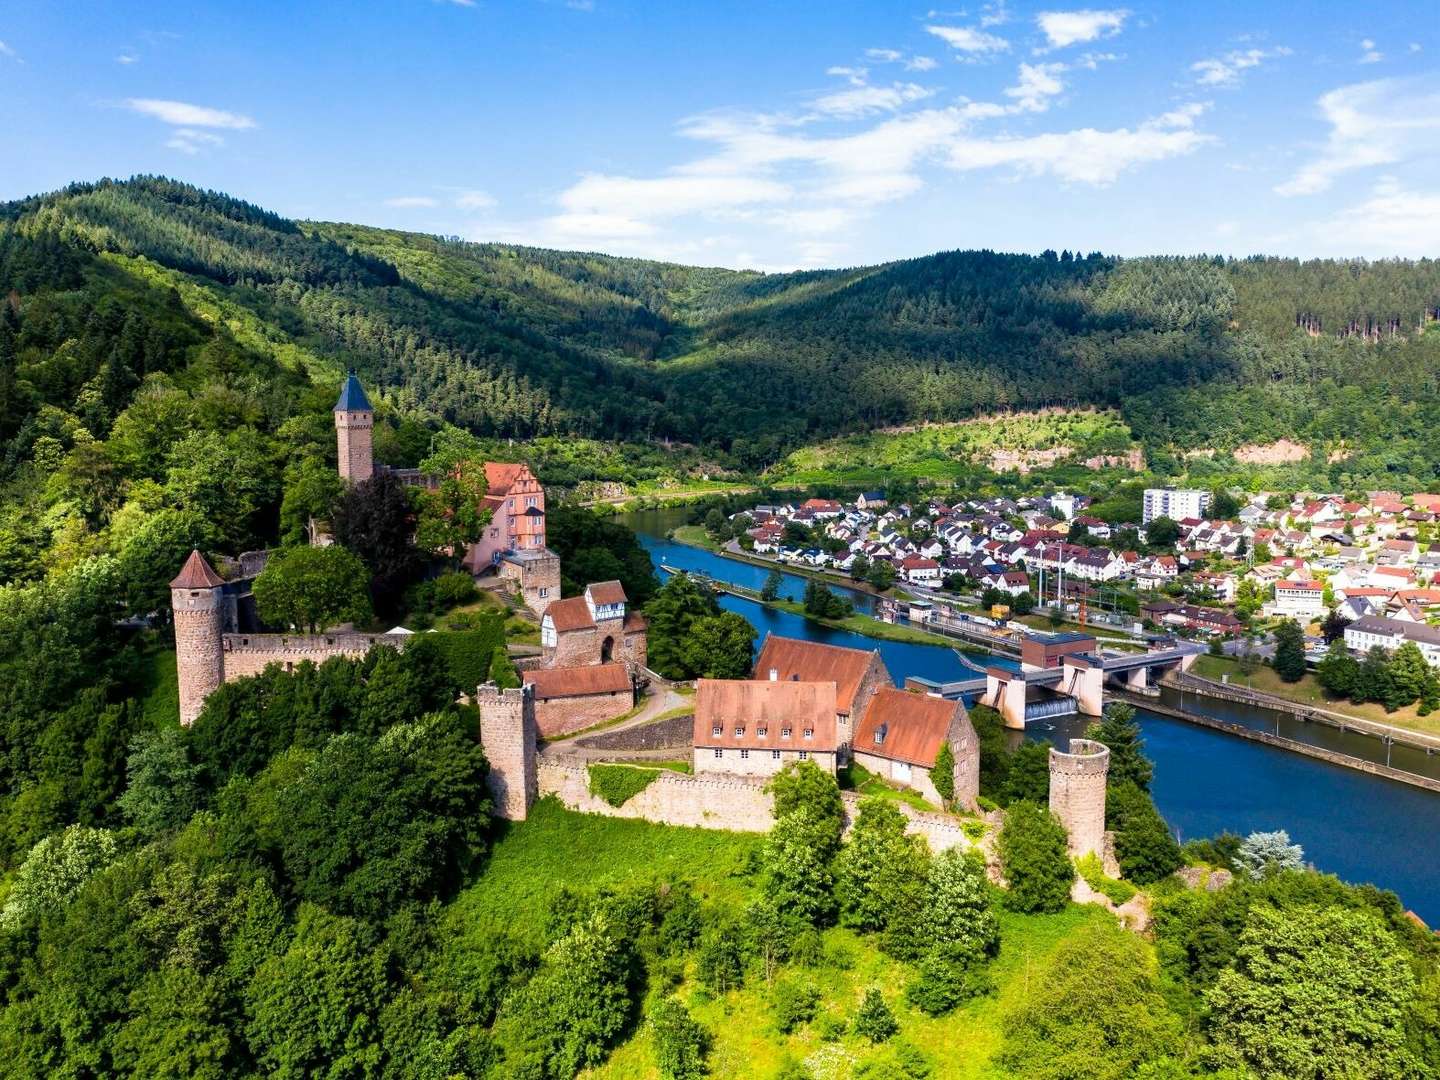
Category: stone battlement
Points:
column 310, row 644
column 1086, row 758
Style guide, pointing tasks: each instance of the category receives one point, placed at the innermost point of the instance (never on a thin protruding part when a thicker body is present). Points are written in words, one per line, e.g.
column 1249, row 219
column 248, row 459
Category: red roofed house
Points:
column 570, row 699
column 856, row 673
column 900, row 736
column 595, row 628
column 756, row 728
column 823, row 508
column 919, row 570
column 516, row 502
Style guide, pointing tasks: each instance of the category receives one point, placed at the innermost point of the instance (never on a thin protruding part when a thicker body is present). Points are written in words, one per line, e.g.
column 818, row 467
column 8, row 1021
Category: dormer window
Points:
column 784, row 732
column 739, row 732
column 716, row 730
column 761, row 732
column 880, row 734
column 809, row 733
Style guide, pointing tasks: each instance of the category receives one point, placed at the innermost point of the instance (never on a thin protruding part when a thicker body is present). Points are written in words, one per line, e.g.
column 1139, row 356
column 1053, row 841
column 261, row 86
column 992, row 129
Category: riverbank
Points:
column 1349, row 761
column 1308, row 692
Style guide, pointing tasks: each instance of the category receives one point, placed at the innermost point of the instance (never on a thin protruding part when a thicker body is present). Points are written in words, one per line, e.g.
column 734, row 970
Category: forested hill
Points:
column 117, row 286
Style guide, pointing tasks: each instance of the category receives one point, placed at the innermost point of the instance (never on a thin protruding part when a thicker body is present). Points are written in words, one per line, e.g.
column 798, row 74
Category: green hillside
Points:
column 141, row 313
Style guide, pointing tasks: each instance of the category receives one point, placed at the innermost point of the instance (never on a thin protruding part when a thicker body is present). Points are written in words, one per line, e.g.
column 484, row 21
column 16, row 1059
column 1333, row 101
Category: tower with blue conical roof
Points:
column 354, row 429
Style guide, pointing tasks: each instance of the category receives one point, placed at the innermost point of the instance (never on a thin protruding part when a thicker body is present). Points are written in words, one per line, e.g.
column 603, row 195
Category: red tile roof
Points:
column 808, row 661
column 197, row 574
column 578, row 681
column 571, row 613
column 501, row 476
column 752, row 707
column 606, row 592
column 914, row 726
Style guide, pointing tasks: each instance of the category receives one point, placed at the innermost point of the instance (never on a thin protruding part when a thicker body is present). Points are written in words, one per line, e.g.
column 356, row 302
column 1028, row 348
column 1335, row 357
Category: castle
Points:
column 587, row 672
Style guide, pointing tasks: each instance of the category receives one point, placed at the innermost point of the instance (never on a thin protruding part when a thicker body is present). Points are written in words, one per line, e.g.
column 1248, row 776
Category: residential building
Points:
column 900, row 735
column 1364, row 634
column 756, row 728
column 1174, row 503
column 1299, row 599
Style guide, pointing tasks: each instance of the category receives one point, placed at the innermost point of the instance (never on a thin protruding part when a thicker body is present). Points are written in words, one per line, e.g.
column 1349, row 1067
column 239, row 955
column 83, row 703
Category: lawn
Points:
column 554, row 848
column 1309, row 692
column 855, row 777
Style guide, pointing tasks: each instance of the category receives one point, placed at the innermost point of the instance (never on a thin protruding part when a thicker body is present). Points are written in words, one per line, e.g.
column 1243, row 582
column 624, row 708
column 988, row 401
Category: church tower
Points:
column 354, row 427
column 196, row 598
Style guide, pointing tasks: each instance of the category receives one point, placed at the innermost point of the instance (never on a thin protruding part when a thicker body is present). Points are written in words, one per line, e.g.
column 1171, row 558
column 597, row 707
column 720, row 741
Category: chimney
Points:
column 774, row 674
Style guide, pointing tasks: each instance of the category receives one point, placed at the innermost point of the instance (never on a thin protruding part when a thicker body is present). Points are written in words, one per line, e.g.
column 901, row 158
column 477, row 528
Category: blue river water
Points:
column 1362, row 828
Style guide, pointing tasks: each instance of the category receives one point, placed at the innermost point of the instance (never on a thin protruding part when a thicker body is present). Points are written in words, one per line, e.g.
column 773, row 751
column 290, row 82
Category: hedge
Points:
column 618, row 784
column 469, row 652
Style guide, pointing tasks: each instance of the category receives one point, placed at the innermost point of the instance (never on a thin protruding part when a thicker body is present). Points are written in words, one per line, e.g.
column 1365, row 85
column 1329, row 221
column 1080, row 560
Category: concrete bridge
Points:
column 1045, row 688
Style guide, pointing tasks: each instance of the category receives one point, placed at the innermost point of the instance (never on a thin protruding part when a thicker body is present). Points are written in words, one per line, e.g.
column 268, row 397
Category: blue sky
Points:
column 767, row 135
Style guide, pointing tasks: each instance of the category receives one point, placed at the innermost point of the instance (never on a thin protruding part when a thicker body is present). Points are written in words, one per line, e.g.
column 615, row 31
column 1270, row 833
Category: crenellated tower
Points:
column 197, row 598
column 354, row 431
column 1077, row 793
column 507, row 735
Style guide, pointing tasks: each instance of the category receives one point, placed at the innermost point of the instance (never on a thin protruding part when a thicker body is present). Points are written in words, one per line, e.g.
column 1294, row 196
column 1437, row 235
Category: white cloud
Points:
column 994, row 14
column 1091, row 61
column 967, row 40
column 1391, row 221
column 411, row 202
column 884, row 56
column 1369, row 54
column 856, row 75
column 1063, row 28
column 1371, row 124
column 1415, row 47
column 474, row 199
column 895, row 56
column 1038, row 84
column 631, row 199
column 921, row 63
column 190, row 141
column 1225, row 70
column 9, row 53
column 182, row 114
column 127, row 58
column 1086, row 156
column 864, row 100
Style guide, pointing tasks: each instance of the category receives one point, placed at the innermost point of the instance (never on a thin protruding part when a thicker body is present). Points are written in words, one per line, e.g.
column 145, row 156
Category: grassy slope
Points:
column 557, row 848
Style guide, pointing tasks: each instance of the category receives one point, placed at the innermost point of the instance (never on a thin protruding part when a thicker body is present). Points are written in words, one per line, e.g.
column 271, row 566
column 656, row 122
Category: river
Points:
column 1357, row 826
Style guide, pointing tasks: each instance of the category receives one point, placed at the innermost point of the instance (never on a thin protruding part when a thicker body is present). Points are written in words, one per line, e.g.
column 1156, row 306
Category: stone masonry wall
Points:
column 199, row 661
column 561, row 716
column 250, row 654
column 677, row 733
column 717, row 802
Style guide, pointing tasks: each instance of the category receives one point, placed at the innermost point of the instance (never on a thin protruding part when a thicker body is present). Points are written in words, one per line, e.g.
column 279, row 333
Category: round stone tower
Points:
column 354, row 431
column 507, row 735
column 197, row 600
column 1077, row 793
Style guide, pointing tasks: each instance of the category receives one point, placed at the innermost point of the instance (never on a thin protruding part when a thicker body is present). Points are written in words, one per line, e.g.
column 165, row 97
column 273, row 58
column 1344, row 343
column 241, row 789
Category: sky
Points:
column 772, row 136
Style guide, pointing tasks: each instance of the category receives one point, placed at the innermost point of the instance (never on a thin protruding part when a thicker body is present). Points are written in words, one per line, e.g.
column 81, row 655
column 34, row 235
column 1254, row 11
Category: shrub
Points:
column 502, row 669
column 875, row 1021
column 1034, row 859
column 618, row 784
column 942, row 775
column 1264, row 853
column 831, row 1028
column 1144, row 846
column 1095, row 1011
column 945, row 982
column 1118, row 892
column 679, row 1042
column 792, row 1003
column 54, row 872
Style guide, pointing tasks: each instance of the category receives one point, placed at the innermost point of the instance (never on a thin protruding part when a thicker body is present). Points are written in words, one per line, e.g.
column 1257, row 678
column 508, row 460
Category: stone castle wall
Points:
column 250, row 654
column 1077, row 793
column 677, row 733
column 561, row 716
column 736, row 803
